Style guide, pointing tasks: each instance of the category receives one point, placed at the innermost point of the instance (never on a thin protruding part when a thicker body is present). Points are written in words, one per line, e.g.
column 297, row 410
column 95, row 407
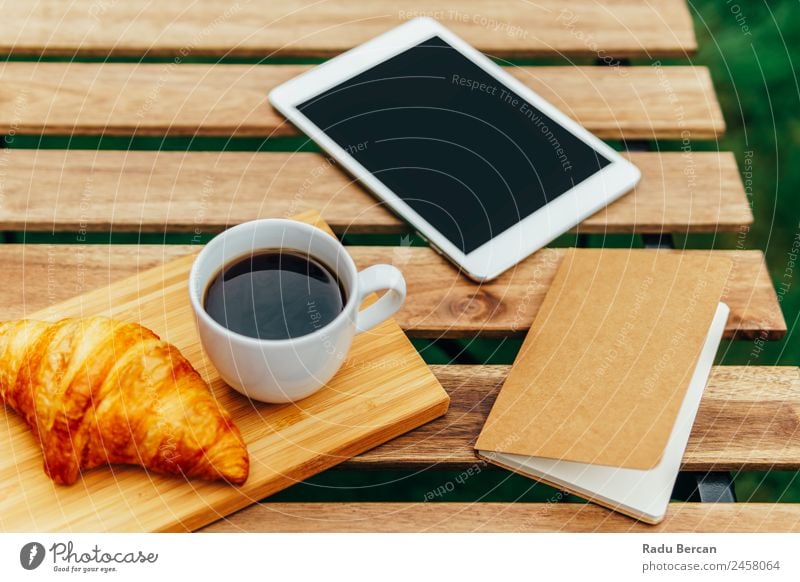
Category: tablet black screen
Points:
column 470, row 156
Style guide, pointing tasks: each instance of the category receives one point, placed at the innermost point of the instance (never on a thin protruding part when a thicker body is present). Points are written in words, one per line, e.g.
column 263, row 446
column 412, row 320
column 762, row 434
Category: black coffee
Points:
column 274, row 294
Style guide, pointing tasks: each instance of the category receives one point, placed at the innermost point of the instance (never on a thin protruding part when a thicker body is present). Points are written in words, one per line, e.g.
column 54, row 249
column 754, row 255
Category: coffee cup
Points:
column 287, row 370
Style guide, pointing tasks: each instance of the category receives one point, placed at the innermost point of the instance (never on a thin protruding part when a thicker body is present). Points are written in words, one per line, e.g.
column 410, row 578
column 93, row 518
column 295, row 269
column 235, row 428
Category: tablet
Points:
column 482, row 167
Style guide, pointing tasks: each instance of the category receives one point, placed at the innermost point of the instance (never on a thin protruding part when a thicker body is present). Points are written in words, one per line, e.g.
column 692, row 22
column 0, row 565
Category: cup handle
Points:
column 374, row 279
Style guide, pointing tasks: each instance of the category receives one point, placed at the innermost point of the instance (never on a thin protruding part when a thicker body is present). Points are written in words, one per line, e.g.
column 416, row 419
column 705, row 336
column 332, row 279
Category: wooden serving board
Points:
column 384, row 389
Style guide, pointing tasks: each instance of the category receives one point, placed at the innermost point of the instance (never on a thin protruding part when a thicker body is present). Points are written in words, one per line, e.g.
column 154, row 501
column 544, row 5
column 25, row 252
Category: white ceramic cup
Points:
column 287, row 370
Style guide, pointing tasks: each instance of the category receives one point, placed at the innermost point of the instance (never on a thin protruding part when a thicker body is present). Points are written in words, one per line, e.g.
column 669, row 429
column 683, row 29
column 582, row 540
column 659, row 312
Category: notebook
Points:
column 603, row 394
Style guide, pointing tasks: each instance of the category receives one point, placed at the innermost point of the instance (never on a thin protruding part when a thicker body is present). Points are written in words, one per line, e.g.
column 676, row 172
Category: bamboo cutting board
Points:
column 383, row 390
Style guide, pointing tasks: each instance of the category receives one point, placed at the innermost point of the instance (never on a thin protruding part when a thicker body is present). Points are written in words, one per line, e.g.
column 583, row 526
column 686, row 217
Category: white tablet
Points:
column 486, row 170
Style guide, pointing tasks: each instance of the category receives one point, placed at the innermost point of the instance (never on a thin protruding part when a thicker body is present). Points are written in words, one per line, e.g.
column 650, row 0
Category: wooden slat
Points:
column 159, row 99
column 443, row 303
column 440, row 303
column 749, row 420
column 505, row 517
column 259, row 28
column 68, row 190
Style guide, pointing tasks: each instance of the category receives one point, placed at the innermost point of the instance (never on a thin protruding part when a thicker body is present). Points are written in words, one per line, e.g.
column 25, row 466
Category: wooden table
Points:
column 150, row 79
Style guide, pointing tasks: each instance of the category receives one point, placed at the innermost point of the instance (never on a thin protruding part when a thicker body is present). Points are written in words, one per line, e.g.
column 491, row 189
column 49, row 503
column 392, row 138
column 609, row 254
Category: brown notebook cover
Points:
column 602, row 374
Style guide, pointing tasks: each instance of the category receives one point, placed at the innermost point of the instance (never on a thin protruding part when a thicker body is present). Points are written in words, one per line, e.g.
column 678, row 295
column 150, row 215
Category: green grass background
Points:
column 752, row 50
column 755, row 76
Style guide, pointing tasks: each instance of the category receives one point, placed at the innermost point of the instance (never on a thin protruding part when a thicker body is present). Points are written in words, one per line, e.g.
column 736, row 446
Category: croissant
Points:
column 97, row 391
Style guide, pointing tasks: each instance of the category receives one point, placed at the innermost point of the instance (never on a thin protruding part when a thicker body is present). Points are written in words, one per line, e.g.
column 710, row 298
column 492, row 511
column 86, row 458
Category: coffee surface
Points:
column 275, row 294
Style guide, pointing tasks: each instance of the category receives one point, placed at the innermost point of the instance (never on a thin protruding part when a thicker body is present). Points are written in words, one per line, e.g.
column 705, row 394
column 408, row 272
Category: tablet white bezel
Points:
column 510, row 246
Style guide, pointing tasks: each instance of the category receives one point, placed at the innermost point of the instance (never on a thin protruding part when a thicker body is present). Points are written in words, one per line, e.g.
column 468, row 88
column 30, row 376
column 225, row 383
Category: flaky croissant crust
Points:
column 98, row 391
